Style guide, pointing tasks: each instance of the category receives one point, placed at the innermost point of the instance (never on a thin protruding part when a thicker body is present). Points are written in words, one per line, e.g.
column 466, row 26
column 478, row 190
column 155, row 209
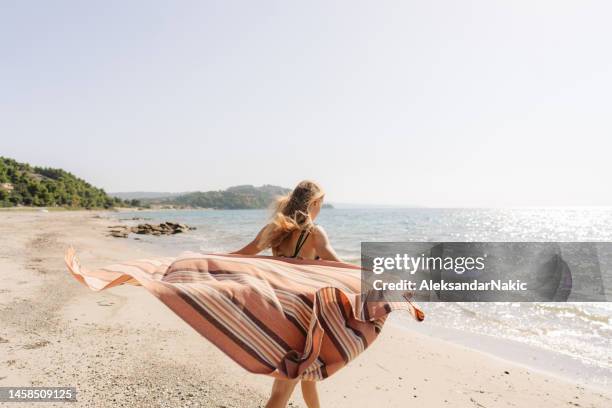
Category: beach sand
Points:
column 122, row 347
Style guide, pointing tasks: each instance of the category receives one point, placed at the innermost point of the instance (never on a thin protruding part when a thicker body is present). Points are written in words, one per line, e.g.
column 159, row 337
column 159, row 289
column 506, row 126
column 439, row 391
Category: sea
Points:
column 571, row 340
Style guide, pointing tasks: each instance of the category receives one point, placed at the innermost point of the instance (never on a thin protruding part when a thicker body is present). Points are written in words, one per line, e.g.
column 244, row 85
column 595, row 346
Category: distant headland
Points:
column 241, row 197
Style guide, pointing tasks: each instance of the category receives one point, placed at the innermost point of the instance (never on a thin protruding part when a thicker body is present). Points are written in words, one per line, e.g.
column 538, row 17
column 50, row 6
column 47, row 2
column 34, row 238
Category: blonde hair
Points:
column 291, row 213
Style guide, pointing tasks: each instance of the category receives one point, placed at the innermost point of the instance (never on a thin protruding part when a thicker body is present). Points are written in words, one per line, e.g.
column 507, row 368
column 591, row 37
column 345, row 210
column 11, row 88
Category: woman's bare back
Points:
column 299, row 241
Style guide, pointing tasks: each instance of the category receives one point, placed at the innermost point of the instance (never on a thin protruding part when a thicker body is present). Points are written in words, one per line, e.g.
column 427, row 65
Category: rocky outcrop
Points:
column 119, row 231
column 165, row 228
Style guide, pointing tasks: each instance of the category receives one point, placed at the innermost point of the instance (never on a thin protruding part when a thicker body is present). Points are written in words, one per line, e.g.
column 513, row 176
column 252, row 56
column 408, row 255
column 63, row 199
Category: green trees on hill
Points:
column 238, row 197
column 22, row 184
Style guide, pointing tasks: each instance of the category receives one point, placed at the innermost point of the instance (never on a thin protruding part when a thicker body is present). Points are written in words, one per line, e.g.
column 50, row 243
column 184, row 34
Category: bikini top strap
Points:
column 300, row 242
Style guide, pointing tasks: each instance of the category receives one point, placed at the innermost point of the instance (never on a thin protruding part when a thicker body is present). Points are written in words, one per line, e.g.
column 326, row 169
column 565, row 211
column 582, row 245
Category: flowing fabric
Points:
column 288, row 318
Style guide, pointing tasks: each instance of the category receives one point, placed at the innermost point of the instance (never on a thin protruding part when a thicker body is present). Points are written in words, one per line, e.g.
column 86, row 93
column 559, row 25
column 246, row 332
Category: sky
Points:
column 432, row 103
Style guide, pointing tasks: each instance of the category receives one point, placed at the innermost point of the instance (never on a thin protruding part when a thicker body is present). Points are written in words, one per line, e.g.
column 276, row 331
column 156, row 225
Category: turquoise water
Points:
column 580, row 332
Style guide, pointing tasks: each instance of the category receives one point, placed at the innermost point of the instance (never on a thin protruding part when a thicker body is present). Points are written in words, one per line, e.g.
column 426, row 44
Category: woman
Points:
column 292, row 233
column 292, row 319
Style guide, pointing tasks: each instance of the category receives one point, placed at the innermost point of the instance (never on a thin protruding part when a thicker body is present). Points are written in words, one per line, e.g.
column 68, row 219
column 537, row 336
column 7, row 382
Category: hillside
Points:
column 22, row 184
column 25, row 185
column 234, row 198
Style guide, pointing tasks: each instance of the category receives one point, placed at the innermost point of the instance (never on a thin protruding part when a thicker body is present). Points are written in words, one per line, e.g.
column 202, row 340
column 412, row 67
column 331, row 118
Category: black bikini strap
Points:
column 300, row 243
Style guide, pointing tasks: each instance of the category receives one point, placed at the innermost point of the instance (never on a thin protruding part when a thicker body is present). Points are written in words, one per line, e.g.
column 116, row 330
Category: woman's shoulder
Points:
column 316, row 228
column 318, row 231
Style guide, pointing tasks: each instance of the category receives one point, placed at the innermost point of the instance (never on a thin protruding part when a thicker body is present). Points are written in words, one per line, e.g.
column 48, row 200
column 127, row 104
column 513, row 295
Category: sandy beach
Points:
column 122, row 347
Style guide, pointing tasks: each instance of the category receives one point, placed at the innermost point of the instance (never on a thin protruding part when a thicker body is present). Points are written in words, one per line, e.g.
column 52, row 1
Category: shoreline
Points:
column 59, row 332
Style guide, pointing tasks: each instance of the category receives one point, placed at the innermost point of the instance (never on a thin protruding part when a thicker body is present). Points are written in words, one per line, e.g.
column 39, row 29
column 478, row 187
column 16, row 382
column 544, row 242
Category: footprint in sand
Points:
column 3, row 340
column 36, row 345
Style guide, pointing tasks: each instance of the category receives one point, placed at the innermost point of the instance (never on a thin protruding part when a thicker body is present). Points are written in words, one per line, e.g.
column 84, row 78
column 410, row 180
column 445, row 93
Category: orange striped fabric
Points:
column 288, row 318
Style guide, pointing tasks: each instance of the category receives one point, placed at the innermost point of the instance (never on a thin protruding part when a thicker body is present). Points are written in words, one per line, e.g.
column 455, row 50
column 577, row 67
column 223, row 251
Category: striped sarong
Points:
column 288, row 318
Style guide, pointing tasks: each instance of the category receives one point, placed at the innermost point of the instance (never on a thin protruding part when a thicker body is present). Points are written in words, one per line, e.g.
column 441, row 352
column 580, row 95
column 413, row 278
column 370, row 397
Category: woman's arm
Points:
column 323, row 246
column 252, row 248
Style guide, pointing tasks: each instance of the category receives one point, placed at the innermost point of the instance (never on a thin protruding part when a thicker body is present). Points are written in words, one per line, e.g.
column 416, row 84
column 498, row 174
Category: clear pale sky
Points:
column 440, row 103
